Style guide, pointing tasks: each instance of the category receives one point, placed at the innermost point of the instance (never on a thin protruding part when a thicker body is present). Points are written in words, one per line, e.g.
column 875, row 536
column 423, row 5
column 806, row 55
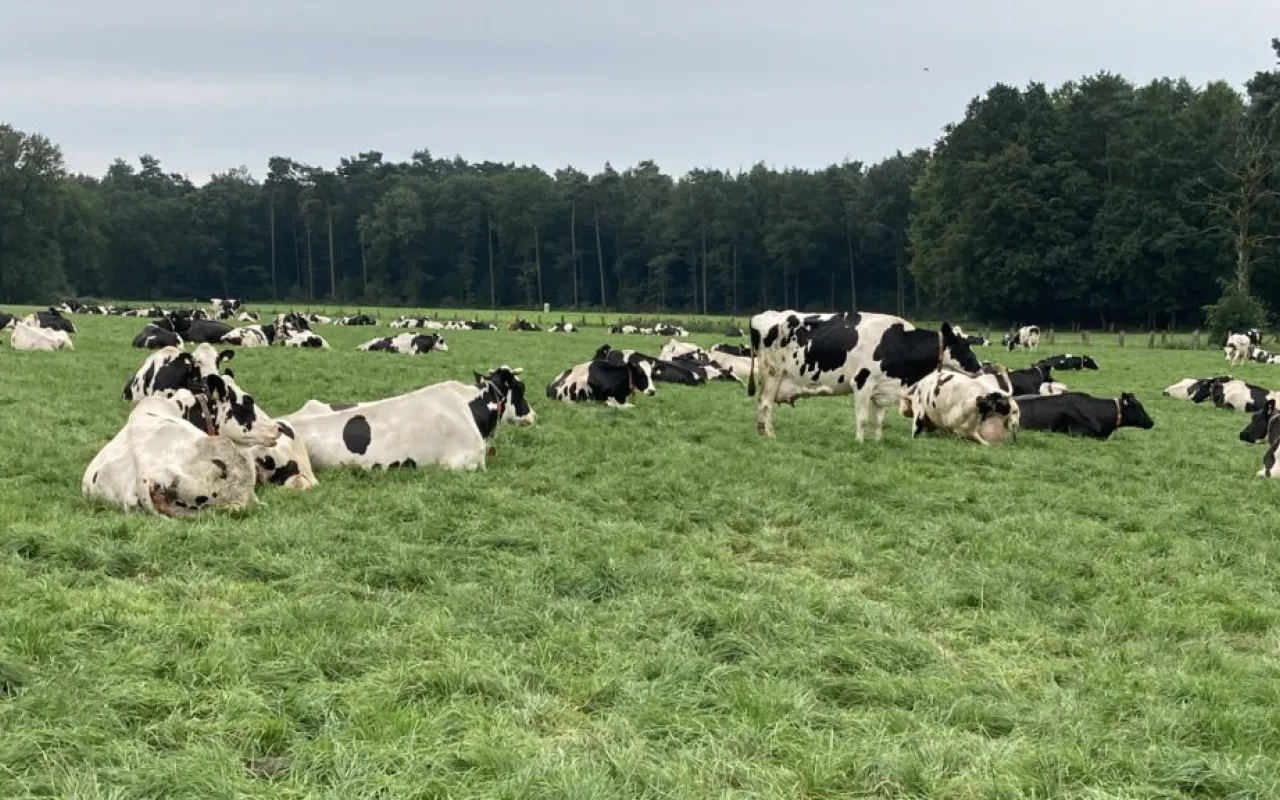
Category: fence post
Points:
column 1151, row 341
column 1122, row 338
column 1052, row 337
column 1195, row 339
column 1164, row 338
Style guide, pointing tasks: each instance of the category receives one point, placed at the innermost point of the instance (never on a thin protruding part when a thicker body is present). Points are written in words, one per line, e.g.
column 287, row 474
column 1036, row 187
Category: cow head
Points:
column 517, row 410
column 955, row 352
column 602, row 353
column 642, row 376
column 236, row 416
column 1256, row 430
column 1203, row 389
column 994, row 403
column 430, row 342
column 208, row 360
column 286, row 464
column 1131, row 414
column 1088, row 363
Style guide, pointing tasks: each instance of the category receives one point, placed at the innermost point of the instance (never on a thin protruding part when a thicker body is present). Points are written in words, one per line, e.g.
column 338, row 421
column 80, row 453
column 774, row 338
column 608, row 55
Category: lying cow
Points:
column 178, row 455
column 193, row 329
column 517, row 411
column 1236, row 395
column 153, row 337
column 1265, row 427
column 1027, row 337
column 562, row 327
column 7, row 321
column 1026, row 381
column 407, row 344
column 712, row 366
column 303, row 339
column 1190, row 388
column 739, row 350
column 356, row 319
column 1079, row 414
column 249, row 336
column 435, row 425
column 416, row 322
column 875, row 357
column 521, row 324
column 25, row 336
column 169, row 370
column 661, row 370
column 50, row 319
column 963, row 406
column 1067, row 361
column 611, row 381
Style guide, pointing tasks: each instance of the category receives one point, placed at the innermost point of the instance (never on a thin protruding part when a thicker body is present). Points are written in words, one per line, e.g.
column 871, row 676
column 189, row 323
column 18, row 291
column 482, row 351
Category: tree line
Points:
column 1099, row 201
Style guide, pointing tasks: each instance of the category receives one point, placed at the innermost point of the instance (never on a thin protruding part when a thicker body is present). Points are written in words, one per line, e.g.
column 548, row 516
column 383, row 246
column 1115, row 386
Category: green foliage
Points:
column 646, row 603
column 1235, row 311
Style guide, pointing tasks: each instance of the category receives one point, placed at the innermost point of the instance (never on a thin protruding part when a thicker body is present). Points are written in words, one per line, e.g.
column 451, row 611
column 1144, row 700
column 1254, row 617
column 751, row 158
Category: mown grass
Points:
column 654, row 603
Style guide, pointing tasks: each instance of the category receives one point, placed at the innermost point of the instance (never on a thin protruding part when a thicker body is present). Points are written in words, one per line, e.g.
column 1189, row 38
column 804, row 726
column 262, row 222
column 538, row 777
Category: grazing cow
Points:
column 1079, row 414
column 562, row 327
column 153, row 338
column 1236, row 395
column 26, row 336
column 178, row 455
column 872, row 356
column 249, row 336
column 169, row 369
column 407, row 343
column 356, row 319
column 612, row 381
column 439, row 424
column 1027, row 337
column 960, row 405
column 1027, row 381
column 1237, row 349
column 1067, row 361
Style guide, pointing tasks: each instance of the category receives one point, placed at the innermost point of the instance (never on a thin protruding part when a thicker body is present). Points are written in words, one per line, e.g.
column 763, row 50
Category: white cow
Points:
column 407, row 344
column 738, row 366
column 30, row 337
column 178, row 455
column 1238, row 348
column 960, row 405
column 303, row 339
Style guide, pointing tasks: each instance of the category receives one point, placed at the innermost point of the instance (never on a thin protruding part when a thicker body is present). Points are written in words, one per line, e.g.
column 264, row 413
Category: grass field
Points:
column 654, row 603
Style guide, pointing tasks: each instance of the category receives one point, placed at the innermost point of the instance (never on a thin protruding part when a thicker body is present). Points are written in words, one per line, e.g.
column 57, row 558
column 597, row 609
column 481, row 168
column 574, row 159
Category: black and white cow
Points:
column 962, row 406
column 1027, row 381
column 249, row 336
column 153, row 338
column 521, row 324
column 611, row 381
column 416, row 322
column 303, row 339
column 623, row 329
column 180, row 454
column 1066, row 362
column 356, row 319
column 317, row 319
column 1079, row 414
column 563, row 327
column 664, row 329
column 194, row 329
column 660, row 370
column 7, row 321
column 742, row 351
column 220, row 308
column 1027, row 337
column 715, row 366
column 1264, row 428
column 249, row 316
column 169, row 369
column 874, row 357
column 1236, row 395
column 435, row 425
column 51, row 319
column 407, row 344
column 1191, row 388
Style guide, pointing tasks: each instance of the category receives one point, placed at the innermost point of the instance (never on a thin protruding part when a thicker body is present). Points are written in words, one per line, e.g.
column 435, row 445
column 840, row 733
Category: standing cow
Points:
column 875, row 357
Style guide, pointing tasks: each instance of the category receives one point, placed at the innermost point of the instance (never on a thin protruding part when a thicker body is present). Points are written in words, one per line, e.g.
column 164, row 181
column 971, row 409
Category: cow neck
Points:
column 942, row 349
column 202, row 400
column 1118, row 408
column 487, row 418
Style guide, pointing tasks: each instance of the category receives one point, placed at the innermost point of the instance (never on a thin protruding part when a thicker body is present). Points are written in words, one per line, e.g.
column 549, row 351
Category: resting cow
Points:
column 608, row 381
column 25, row 336
column 1233, row 395
column 1067, row 361
column 960, row 405
column 562, row 327
column 169, row 369
column 1191, row 388
column 407, row 344
column 1265, row 427
column 153, row 337
column 435, row 425
column 875, row 357
column 248, row 336
column 1079, row 414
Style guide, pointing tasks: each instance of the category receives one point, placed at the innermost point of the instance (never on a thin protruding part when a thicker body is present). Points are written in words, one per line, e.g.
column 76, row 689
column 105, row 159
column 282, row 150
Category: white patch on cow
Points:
column 962, row 406
column 247, row 336
column 1238, row 348
column 25, row 336
column 1052, row 387
column 309, row 339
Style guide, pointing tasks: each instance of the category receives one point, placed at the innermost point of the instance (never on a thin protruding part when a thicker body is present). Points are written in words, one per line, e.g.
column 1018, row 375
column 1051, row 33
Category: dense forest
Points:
column 1099, row 201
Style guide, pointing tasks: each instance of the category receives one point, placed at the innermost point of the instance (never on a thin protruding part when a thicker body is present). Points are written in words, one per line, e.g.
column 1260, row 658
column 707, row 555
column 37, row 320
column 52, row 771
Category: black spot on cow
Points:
column 201, row 500
column 94, row 479
column 286, row 429
column 222, row 467
column 861, row 377
column 284, row 473
column 356, row 434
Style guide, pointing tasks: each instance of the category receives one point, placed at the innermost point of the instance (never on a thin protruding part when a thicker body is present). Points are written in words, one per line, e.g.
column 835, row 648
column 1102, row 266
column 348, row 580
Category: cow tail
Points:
column 755, row 347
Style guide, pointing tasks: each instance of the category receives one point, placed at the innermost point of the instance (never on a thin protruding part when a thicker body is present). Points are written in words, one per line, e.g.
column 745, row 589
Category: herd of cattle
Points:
column 196, row 439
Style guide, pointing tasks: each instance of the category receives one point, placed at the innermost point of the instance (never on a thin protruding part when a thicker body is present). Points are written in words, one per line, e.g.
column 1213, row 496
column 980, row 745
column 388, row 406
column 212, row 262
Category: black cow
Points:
column 1079, row 414
column 732, row 349
column 1025, row 381
column 154, row 337
column 193, row 328
column 52, row 319
column 1067, row 361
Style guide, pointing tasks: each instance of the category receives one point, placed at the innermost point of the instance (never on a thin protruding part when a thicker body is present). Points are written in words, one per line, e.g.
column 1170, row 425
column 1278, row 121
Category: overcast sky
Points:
column 205, row 85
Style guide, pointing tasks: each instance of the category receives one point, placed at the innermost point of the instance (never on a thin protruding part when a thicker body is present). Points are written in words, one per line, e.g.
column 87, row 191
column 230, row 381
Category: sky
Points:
column 208, row 85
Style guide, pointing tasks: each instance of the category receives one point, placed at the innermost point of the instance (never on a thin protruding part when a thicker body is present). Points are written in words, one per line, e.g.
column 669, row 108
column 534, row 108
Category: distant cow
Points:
column 663, row 329
column 1067, row 362
column 612, row 382
column 223, row 308
column 317, row 319
column 416, row 322
column 7, row 321
column 1238, row 348
column 521, row 324
column 25, row 336
column 435, row 425
column 169, row 369
column 1191, row 388
column 1027, row 337
column 741, row 351
column 960, row 405
column 356, row 319
column 304, row 339
column 1079, row 414
column 562, row 327
column 734, row 333
column 1265, row 427
column 875, row 357
column 248, row 336
column 623, row 329
column 661, row 370
column 407, row 344
column 716, row 366
column 153, row 338
column 193, row 329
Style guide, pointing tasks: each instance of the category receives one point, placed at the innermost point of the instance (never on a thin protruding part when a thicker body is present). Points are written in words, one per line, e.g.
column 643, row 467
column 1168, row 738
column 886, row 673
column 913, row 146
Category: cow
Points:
column 439, row 424
column 1026, row 381
column 1066, row 362
column 1027, row 337
column 194, row 329
column 303, row 339
column 517, row 412
column 223, row 309
column 623, row 329
column 407, row 343
column 7, row 321
column 1190, row 388
column 562, row 327
column 249, row 336
column 479, row 325
column 1264, row 428
column 317, row 319
column 249, row 316
column 1052, row 387
column 1236, row 395
column 180, row 454
column 715, row 366
column 731, row 350
column 521, row 324
column 872, row 356
column 734, row 333
column 169, row 369
column 286, row 463
column 960, row 405
column 356, row 319
column 25, row 336
column 50, row 319
column 1238, row 348
column 660, row 370
column 663, row 329
column 416, row 322
column 153, row 338
column 1079, row 414
column 611, row 380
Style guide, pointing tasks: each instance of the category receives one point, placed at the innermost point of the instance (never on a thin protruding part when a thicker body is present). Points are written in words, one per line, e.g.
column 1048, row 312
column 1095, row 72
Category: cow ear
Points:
column 226, row 355
column 216, row 386
column 1271, row 406
column 947, row 333
column 480, row 379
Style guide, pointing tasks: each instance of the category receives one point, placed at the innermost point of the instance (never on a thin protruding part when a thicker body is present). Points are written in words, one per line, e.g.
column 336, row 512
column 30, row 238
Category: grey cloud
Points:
column 210, row 85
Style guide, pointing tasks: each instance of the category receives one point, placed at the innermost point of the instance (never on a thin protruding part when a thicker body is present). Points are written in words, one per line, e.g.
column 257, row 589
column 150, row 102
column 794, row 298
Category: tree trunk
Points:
column 311, row 280
column 704, row 269
column 573, row 246
column 537, row 260
column 274, row 294
column 902, row 287
column 604, row 299
column 734, row 292
column 333, row 270
column 853, row 281
column 493, row 283
column 297, row 256
column 364, row 269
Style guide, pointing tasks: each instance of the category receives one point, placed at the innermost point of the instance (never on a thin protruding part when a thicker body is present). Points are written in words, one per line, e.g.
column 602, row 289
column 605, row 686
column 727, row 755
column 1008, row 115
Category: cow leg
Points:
column 764, row 408
column 861, row 398
column 879, row 436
